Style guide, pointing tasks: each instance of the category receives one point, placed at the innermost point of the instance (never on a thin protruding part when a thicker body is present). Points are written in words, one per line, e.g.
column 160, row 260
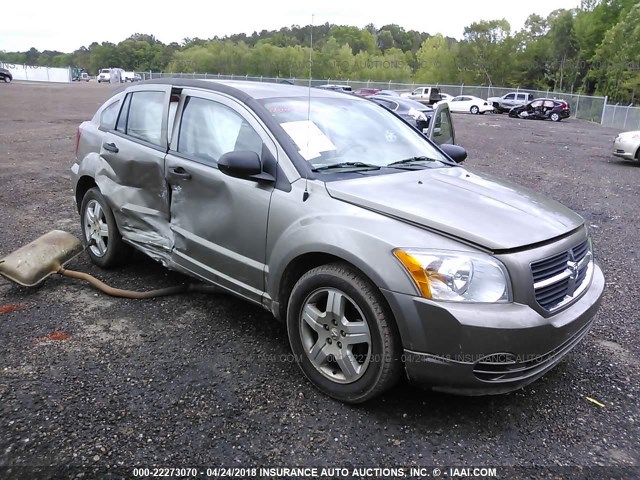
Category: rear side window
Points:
column 109, row 115
column 142, row 115
column 209, row 129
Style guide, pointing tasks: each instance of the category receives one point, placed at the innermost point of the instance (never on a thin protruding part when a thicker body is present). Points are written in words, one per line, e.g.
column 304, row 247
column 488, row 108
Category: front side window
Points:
column 331, row 131
column 210, row 129
column 511, row 96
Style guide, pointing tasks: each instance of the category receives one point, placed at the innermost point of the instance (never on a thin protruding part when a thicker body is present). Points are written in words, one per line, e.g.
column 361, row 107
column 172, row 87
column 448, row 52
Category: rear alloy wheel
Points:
column 7, row 79
column 99, row 227
column 555, row 117
column 475, row 110
column 342, row 334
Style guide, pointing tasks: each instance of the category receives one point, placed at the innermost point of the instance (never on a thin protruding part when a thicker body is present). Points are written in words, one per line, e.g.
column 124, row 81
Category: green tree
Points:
column 436, row 61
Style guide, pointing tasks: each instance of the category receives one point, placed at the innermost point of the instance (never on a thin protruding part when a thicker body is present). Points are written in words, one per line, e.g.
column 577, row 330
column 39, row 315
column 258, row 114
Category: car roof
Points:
column 243, row 88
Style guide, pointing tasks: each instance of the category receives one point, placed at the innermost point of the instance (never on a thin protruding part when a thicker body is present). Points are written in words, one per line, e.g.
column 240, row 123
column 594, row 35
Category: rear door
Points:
column 135, row 151
column 219, row 222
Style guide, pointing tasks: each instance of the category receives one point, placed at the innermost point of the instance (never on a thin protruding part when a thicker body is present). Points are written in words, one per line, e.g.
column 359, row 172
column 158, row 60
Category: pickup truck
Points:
column 130, row 77
column 510, row 100
column 426, row 95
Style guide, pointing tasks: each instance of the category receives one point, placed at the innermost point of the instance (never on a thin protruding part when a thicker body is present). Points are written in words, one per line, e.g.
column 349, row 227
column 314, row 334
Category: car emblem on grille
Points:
column 572, row 267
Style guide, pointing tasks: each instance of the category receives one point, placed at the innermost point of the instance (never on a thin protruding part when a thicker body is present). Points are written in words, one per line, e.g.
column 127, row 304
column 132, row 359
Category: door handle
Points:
column 179, row 172
column 111, row 147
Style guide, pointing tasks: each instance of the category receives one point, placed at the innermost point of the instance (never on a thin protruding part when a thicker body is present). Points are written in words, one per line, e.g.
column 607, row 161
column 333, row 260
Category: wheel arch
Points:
column 301, row 264
column 85, row 183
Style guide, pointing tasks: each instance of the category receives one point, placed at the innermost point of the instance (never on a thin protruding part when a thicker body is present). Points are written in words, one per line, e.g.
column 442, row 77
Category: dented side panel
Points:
column 219, row 223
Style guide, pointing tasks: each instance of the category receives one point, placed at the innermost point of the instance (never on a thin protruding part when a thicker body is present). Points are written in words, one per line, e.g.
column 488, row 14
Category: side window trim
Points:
column 126, row 105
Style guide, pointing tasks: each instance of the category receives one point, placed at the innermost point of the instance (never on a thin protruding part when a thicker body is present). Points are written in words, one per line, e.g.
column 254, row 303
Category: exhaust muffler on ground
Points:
column 30, row 265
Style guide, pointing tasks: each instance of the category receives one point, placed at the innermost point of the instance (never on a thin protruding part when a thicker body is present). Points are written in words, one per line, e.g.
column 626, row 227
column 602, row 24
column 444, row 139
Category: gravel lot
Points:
column 197, row 380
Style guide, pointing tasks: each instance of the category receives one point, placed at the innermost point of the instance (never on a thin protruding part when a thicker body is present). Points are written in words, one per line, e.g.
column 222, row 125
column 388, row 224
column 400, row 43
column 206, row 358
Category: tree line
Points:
column 592, row 49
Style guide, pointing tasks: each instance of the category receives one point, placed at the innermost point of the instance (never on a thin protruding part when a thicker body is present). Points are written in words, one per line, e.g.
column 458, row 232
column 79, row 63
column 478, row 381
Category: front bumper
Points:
column 473, row 349
column 624, row 148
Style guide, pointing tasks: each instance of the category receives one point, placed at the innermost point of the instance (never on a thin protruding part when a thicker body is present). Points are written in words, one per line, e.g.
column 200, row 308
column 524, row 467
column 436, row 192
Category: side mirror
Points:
column 243, row 164
column 456, row 152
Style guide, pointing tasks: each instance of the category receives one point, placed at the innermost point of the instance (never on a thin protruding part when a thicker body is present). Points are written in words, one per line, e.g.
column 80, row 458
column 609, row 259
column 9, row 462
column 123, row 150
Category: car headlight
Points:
column 456, row 276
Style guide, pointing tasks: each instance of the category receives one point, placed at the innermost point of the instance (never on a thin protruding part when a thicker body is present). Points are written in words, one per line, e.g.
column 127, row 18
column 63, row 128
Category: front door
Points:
column 441, row 129
column 219, row 222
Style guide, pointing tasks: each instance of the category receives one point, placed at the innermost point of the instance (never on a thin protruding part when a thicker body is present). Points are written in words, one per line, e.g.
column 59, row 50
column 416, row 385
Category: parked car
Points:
column 469, row 104
column 441, row 131
column 84, row 77
column 445, row 97
column 542, row 109
column 627, row 145
column 365, row 92
column 391, row 93
column 427, row 95
column 380, row 253
column 5, row 75
column 510, row 100
column 336, row 88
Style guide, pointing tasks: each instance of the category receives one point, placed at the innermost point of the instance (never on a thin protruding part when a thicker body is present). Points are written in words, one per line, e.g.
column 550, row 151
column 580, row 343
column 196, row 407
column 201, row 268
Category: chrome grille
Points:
column 559, row 279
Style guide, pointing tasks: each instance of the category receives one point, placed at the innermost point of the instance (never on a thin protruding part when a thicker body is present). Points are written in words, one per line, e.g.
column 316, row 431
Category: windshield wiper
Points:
column 368, row 166
column 411, row 160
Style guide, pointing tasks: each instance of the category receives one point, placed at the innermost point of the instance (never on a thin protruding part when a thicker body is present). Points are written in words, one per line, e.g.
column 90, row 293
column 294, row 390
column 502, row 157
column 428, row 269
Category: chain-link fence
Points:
column 584, row 107
column 624, row 117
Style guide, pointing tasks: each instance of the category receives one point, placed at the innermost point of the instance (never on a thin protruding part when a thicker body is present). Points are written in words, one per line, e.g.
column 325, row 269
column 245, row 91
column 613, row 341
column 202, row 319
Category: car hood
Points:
column 629, row 135
column 480, row 209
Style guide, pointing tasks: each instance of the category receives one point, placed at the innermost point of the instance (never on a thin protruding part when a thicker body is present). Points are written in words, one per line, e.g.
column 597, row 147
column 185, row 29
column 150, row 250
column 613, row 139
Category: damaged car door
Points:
column 132, row 177
column 217, row 220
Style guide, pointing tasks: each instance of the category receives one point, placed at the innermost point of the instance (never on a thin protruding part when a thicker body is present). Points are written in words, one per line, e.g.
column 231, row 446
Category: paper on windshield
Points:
column 310, row 140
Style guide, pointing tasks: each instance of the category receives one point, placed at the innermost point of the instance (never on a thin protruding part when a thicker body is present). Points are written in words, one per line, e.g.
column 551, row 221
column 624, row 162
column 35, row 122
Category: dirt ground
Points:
column 198, row 380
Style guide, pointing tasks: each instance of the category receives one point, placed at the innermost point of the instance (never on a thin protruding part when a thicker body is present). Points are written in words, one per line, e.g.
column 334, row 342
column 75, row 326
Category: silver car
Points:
column 383, row 256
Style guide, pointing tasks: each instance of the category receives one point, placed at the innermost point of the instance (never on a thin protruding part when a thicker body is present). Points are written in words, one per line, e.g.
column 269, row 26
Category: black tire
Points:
column 555, row 117
column 7, row 79
column 115, row 251
column 475, row 110
column 379, row 362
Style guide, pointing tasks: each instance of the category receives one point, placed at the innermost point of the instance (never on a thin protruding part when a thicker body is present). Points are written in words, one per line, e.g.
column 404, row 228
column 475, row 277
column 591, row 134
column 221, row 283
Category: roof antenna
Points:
column 305, row 195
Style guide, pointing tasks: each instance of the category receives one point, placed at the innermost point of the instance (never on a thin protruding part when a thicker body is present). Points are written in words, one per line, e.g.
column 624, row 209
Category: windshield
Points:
column 333, row 131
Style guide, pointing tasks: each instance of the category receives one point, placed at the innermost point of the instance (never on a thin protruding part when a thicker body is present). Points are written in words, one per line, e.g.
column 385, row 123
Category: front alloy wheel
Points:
column 335, row 335
column 342, row 333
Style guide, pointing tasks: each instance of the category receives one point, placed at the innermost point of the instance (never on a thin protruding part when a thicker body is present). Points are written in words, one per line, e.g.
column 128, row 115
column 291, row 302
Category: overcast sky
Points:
column 66, row 25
